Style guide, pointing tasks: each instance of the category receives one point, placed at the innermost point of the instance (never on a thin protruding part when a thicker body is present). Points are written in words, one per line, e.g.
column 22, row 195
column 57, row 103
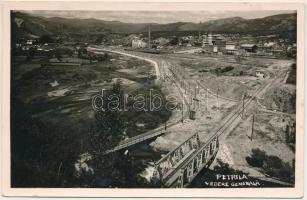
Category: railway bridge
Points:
column 179, row 167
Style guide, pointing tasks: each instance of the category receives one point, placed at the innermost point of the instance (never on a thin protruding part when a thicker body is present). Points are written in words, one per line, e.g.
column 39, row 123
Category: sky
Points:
column 161, row 17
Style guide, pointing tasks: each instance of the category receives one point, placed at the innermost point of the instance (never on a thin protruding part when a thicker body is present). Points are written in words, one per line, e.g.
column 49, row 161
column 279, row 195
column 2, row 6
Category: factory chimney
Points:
column 149, row 45
column 199, row 30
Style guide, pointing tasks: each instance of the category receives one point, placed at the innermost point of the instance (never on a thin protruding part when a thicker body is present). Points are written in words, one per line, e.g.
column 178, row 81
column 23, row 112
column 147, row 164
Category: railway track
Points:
column 215, row 94
column 227, row 125
column 159, row 131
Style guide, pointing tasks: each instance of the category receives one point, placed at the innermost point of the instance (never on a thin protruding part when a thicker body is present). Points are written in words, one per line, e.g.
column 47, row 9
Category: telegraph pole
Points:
column 197, row 87
column 243, row 99
column 252, row 128
column 182, row 111
column 195, row 98
column 217, row 95
column 207, row 99
column 194, row 103
column 185, row 88
column 149, row 45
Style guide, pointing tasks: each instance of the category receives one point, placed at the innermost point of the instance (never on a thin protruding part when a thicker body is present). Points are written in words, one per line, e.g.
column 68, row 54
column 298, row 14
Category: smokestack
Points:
column 199, row 27
column 149, row 45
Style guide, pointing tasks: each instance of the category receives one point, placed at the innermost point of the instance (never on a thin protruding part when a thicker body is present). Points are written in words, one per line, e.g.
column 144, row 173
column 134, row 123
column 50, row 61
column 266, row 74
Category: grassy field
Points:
column 60, row 93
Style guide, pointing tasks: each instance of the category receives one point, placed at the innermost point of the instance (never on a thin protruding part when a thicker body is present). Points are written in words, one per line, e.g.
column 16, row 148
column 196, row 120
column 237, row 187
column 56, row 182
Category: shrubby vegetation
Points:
column 44, row 154
column 41, row 155
column 271, row 165
column 61, row 51
column 116, row 169
column 221, row 70
column 291, row 53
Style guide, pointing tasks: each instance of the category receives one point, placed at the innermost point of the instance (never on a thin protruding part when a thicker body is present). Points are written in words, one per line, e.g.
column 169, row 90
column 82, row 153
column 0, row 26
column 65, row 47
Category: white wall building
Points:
column 210, row 38
column 138, row 43
column 230, row 46
column 215, row 49
column 260, row 74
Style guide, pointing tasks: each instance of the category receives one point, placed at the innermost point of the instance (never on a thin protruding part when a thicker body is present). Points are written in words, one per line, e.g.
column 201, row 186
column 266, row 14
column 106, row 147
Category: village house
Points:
column 230, row 48
column 30, row 42
column 210, row 49
column 208, row 39
column 138, row 43
column 260, row 74
column 221, row 44
column 249, row 48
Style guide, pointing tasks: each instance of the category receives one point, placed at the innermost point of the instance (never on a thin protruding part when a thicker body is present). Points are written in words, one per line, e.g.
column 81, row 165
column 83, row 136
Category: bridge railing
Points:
column 193, row 164
column 170, row 160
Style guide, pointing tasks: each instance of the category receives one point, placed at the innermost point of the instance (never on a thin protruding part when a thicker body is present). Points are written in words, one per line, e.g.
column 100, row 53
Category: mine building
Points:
column 230, row 48
column 138, row 43
column 249, row 48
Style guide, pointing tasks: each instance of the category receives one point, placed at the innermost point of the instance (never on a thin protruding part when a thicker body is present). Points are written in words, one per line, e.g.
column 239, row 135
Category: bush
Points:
column 275, row 167
column 59, row 52
column 221, row 70
column 31, row 54
column 271, row 165
column 257, row 158
column 226, row 69
column 46, row 39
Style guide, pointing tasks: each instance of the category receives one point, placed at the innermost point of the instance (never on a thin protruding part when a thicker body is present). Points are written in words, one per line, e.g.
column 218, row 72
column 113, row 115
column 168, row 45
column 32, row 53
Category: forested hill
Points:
column 36, row 25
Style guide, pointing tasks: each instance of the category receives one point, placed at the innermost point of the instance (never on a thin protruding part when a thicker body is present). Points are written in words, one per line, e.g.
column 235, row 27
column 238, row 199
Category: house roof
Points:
column 248, row 45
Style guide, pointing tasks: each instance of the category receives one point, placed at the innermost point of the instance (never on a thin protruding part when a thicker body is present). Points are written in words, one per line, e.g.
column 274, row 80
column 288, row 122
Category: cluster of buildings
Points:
column 208, row 43
column 220, row 44
column 40, row 48
column 46, row 48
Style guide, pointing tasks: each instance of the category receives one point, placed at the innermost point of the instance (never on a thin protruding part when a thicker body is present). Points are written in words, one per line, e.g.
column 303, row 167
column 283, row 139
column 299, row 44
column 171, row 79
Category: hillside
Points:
column 271, row 24
column 35, row 25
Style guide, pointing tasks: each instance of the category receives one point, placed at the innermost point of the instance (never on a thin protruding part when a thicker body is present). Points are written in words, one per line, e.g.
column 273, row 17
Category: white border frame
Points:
column 297, row 191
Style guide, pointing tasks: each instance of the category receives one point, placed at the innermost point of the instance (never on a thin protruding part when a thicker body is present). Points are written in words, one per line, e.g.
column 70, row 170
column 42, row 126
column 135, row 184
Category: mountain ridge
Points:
column 39, row 26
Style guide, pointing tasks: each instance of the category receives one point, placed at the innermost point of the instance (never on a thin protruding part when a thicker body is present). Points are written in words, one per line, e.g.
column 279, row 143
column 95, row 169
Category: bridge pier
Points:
column 180, row 181
column 190, row 171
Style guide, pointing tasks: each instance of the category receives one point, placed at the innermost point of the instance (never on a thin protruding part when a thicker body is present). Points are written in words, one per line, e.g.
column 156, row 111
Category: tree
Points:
column 174, row 41
column 46, row 39
column 58, row 54
column 107, row 129
column 115, row 169
column 257, row 158
column 39, row 149
column 31, row 53
column 82, row 52
column 271, row 165
column 291, row 53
